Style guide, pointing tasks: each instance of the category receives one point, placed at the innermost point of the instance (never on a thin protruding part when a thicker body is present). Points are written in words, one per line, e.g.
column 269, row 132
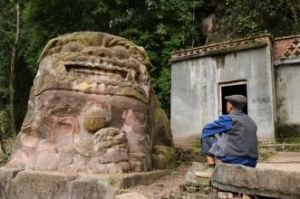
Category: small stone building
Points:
column 264, row 69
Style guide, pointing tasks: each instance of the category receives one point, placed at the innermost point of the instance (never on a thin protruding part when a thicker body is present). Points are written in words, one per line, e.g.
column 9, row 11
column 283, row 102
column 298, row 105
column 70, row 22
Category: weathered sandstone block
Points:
column 92, row 109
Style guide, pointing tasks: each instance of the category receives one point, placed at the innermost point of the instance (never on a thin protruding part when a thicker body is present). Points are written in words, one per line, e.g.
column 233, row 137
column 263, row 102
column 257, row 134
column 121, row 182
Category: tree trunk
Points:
column 193, row 26
column 13, row 64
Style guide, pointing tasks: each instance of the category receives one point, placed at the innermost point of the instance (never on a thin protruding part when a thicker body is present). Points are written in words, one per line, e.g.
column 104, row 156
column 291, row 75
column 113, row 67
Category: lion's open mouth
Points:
column 102, row 69
column 95, row 70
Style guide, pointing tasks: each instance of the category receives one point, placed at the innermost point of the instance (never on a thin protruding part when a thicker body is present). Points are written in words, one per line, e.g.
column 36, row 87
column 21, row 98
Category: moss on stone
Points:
column 170, row 158
column 161, row 124
column 164, row 157
column 92, row 39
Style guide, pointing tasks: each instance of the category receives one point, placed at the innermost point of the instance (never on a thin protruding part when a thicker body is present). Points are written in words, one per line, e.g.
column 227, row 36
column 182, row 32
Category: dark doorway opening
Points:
column 237, row 89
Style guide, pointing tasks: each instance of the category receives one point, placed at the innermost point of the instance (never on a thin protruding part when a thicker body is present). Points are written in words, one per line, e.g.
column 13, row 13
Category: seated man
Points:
column 231, row 138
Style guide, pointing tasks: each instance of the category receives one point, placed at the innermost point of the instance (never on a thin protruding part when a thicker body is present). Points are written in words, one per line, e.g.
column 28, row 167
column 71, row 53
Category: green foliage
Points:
column 45, row 20
column 7, row 36
column 163, row 87
column 23, row 79
column 4, row 123
column 249, row 18
column 160, row 26
column 8, row 145
column 6, row 42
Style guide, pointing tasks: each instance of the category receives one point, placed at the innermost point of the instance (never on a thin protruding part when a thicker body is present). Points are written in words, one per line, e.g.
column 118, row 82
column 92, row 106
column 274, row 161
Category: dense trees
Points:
column 277, row 17
column 160, row 26
column 8, row 57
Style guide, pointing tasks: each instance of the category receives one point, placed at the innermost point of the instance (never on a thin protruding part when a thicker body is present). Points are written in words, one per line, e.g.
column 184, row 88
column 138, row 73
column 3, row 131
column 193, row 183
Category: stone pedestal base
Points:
column 21, row 184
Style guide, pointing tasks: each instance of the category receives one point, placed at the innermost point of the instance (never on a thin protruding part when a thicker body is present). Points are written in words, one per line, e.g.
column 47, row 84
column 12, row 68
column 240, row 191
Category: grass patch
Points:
column 196, row 146
column 288, row 134
column 265, row 152
column 290, row 140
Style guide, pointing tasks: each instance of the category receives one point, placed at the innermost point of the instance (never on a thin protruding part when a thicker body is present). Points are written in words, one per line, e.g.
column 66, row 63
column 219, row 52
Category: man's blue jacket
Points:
column 238, row 140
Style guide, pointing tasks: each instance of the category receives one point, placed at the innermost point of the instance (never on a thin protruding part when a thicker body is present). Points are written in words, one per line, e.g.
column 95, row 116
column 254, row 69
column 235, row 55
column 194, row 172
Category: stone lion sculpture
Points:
column 92, row 109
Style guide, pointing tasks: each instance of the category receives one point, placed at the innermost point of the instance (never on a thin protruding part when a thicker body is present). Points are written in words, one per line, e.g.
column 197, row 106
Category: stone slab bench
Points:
column 263, row 182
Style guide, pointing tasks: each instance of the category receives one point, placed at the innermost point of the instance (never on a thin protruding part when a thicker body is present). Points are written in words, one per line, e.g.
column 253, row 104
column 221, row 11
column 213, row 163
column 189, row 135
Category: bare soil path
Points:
column 165, row 187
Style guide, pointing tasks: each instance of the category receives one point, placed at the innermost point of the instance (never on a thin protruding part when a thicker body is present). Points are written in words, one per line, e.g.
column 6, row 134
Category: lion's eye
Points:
column 120, row 52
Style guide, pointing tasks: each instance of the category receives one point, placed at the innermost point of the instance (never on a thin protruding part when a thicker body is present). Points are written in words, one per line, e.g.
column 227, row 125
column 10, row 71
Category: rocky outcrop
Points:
column 131, row 195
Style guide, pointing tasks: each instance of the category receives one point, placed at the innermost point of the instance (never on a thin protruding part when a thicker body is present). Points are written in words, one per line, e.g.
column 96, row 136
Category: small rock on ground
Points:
column 131, row 195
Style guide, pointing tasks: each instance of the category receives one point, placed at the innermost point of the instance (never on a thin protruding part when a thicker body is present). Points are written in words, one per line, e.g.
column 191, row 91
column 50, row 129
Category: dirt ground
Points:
column 171, row 186
column 164, row 187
